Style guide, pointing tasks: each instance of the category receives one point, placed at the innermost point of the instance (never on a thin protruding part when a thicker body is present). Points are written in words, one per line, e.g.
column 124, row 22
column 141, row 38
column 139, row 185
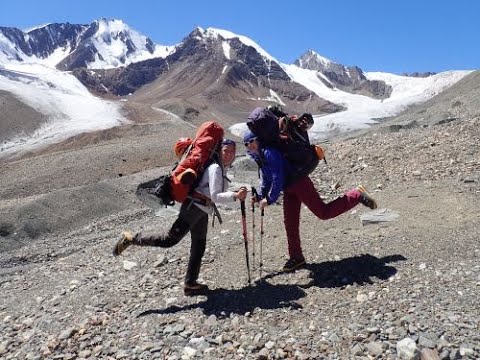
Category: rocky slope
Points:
column 16, row 117
column 406, row 288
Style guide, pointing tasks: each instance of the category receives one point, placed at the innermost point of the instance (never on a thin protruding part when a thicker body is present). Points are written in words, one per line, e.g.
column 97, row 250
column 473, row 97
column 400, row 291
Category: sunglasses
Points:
column 304, row 124
column 249, row 141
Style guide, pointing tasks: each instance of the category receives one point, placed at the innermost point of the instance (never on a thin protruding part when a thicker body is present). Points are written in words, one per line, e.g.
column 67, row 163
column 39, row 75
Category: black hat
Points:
column 307, row 117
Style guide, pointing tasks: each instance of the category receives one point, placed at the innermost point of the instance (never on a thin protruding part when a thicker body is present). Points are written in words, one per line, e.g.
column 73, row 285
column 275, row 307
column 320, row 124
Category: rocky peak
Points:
column 10, row 39
column 419, row 74
column 109, row 31
column 313, row 61
column 45, row 40
column 105, row 43
column 112, row 43
column 350, row 79
column 40, row 42
column 226, row 48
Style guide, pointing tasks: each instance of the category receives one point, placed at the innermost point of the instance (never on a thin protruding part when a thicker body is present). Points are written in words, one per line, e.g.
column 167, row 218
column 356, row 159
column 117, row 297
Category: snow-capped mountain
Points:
column 102, row 44
column 362, row 111
column 211, row 72
column 214, row 66
column 350, row 79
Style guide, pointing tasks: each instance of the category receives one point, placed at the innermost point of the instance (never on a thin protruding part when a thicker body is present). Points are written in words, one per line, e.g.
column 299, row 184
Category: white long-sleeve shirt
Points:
column 214, row 185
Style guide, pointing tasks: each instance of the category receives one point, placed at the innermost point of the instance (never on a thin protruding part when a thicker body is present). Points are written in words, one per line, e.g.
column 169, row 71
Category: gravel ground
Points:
column 405, row 288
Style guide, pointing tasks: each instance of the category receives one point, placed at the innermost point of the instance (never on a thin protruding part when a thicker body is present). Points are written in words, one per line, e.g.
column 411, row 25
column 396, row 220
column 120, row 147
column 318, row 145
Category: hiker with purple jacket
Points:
column 278, row 174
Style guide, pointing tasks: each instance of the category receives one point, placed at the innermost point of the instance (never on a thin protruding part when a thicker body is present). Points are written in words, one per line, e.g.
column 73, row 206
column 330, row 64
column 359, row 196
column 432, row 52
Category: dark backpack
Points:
column 294, row 146
column 177, row 185
column 264, row 124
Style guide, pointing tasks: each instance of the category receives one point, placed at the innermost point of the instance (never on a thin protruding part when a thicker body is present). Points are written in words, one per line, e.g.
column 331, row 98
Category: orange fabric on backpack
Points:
column 181, row 145
column 207, row 140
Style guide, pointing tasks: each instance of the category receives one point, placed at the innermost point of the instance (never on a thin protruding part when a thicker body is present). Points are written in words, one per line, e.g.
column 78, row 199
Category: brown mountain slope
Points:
column 17, row 118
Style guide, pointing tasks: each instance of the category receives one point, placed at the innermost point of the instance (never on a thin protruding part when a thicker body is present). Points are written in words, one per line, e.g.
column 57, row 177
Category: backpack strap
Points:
column 202, row 199
column 213, row 158
column 216, row 213
column 300, row 136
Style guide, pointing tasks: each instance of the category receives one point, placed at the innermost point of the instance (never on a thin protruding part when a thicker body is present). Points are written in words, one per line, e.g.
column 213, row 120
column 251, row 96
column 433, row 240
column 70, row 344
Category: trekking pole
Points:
column 262, row 212
column 254, row 193
column 245, row 240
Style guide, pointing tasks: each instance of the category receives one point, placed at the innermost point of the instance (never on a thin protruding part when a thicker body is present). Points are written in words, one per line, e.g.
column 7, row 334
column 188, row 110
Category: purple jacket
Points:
column 273, row 169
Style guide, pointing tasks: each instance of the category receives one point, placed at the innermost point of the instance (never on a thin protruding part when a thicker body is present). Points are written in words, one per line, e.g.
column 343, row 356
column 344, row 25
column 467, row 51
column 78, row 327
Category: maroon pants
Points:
column 303, row 191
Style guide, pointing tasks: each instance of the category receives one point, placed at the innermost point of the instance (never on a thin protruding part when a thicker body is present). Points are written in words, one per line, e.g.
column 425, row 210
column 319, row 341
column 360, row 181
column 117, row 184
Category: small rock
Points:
column 269, row 345
column 375, row 348
column 129, row 265
column 362, row 297
column 429, row 354
column 466, row 350
column 67, row 333
column 189, row 352
column 407, row 350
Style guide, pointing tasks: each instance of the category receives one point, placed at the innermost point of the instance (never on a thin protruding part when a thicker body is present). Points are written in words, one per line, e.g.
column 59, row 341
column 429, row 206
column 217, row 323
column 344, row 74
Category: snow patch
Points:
column 225, row 34
column 70, row 107
column 226, row 49
column 362, row 111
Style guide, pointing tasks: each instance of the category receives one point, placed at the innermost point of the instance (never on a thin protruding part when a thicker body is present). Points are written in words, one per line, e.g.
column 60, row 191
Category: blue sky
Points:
column 390, row 36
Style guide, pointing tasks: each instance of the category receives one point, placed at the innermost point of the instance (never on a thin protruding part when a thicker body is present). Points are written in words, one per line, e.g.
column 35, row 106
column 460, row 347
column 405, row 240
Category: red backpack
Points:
column 207, row 141
column 177, row 185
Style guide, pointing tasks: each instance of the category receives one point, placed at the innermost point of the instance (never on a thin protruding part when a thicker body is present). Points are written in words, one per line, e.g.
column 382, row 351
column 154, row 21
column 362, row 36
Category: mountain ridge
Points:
column 211, row 73
column 91, row 47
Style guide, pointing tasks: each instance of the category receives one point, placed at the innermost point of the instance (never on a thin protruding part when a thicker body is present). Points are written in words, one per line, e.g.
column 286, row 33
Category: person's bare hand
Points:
column 241, row 194
column 263, row 203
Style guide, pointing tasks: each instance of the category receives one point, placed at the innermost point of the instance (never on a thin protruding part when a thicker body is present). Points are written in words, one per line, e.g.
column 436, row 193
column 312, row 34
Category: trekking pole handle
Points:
column 255, row 194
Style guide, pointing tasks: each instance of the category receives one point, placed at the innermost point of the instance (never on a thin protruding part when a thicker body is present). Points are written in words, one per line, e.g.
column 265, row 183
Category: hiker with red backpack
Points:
column 280, row 173
column 193, row 217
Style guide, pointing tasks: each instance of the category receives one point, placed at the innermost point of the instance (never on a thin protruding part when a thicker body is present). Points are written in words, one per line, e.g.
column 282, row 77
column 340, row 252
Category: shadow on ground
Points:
column 360, row 270
column 222, row 303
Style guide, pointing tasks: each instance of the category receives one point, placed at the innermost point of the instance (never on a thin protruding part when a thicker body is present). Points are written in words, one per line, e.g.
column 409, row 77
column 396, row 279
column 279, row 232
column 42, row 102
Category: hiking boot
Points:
column 293, row 264
column 195, row 289
column 365, row 198
column 125, row 241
